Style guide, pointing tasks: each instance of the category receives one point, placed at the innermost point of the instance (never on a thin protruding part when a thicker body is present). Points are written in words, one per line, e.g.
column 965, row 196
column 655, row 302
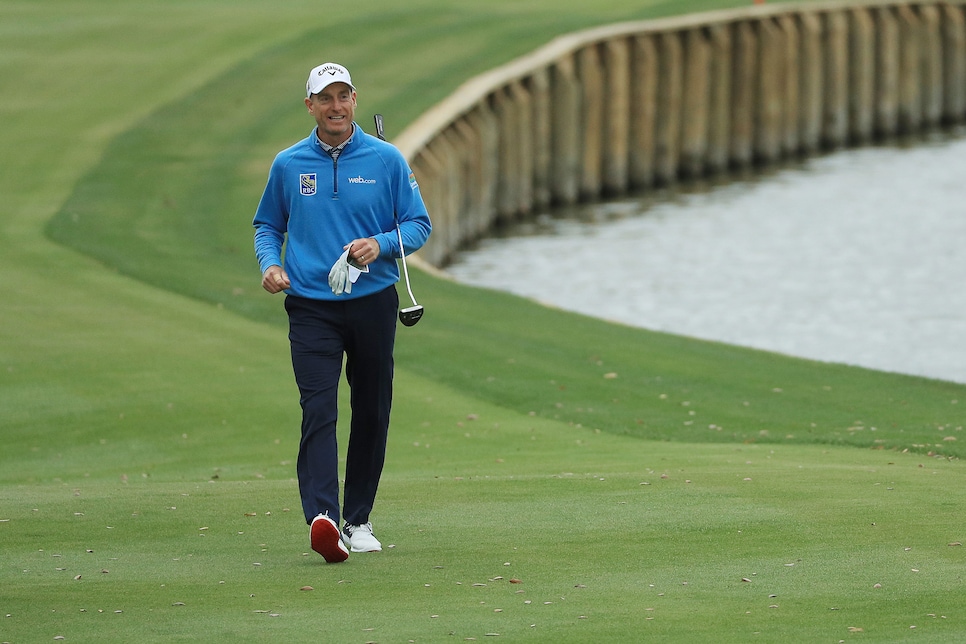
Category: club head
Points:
column 410, row 316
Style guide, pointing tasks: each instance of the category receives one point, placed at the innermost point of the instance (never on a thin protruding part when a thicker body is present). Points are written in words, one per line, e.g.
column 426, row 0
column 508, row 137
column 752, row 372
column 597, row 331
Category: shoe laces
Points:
column 365, row 527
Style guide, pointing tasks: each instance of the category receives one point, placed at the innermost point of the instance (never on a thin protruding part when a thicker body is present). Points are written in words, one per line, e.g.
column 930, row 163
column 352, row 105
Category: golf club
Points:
column 409, row 315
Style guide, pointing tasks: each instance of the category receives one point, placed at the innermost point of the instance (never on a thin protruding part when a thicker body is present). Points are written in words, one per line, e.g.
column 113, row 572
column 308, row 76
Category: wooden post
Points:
column 644, row 111
column 484, row 121
column 811, row 114
column 523, row 166
column 954, row 64
column 910, row 92
column 540, row 134
column 617, row 115
column 861, row 76
column 931, row 75
column 453, row 187
column 791, row 90
column 429, row 173
column 467, row 145
column 835, row 131
column 886, row 72
column 695, row 103
column 743, row 89
column 508, row 165
column 719, row 118
column 565, row 139
column 668, row 138
column 591, row 130
column 769, row 98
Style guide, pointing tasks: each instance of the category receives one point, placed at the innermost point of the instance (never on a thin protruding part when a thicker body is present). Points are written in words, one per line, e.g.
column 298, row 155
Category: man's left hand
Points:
column 362, row 251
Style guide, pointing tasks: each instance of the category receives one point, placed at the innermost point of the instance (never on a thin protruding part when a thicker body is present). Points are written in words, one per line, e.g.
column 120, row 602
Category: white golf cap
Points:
column 326, row 74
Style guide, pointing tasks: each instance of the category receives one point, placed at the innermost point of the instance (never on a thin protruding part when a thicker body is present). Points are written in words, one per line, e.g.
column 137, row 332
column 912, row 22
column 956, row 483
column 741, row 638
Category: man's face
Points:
column 333, row 109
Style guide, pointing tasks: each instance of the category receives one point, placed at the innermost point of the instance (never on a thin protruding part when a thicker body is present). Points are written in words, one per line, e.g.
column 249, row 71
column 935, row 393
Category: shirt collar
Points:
column 337, row 149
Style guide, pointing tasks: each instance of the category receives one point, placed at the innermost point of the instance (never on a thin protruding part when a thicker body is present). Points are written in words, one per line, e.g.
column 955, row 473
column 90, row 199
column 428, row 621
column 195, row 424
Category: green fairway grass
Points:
column 550, row 477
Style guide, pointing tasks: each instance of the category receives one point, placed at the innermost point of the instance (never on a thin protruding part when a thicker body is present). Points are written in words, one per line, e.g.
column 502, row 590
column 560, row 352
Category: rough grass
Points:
column 149, row 430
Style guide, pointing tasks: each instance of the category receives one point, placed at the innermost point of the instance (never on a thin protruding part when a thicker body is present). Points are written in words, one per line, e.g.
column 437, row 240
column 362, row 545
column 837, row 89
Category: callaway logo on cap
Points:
column 326, row 74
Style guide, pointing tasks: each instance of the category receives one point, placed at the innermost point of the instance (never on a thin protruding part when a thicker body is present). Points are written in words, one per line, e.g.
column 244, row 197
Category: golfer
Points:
column 334, row 199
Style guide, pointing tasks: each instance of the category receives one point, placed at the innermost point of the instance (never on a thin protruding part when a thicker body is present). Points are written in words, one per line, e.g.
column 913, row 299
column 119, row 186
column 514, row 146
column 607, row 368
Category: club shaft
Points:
column 381, row 133
column 402, row 253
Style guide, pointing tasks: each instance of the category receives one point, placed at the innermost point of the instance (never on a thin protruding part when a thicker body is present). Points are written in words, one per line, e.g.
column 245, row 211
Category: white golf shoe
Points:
column 359, row 538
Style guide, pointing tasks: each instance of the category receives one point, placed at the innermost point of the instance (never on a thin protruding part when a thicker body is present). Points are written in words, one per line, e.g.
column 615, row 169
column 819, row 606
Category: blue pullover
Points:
column 321, row 205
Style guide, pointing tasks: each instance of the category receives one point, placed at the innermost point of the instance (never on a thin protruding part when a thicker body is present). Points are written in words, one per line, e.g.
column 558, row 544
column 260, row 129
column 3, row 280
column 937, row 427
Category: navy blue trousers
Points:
column 363, row 330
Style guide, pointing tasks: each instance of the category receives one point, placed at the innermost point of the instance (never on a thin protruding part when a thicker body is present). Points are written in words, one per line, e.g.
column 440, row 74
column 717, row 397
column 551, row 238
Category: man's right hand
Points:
column 275, row 280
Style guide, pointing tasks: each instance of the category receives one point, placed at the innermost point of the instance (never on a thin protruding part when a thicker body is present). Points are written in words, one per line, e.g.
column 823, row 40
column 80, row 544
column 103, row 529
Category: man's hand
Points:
column 275, row 280
column 362, row 252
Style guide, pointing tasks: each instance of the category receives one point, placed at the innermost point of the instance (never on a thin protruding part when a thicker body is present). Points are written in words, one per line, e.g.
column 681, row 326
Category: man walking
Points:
column 335, row 199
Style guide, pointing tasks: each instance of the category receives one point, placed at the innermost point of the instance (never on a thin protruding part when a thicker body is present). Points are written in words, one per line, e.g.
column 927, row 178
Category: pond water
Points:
column 856, row 257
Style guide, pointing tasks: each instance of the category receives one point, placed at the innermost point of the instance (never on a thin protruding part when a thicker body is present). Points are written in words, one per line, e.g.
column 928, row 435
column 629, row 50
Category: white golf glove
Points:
column 343, row 274
column 339, row 280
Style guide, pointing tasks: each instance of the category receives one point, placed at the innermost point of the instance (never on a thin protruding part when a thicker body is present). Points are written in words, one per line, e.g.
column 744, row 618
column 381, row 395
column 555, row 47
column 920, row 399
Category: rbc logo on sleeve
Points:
column 307, row 183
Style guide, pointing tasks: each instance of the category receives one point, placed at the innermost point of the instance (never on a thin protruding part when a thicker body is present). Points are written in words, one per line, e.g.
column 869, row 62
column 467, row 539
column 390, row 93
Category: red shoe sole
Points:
column 326, row 540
